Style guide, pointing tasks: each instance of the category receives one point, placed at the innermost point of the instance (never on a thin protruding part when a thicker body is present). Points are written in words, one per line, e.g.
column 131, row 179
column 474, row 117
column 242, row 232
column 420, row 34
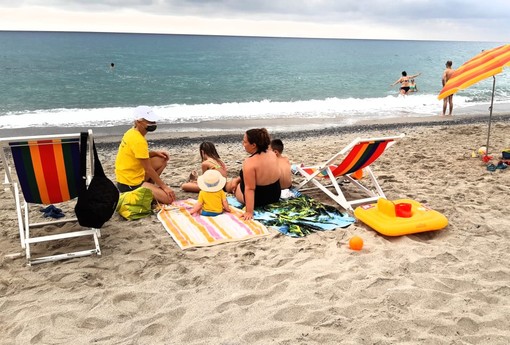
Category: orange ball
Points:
column 356, row 243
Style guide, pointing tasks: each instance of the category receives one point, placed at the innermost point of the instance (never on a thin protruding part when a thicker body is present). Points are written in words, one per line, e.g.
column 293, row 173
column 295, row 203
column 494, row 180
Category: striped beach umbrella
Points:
column 486, row 64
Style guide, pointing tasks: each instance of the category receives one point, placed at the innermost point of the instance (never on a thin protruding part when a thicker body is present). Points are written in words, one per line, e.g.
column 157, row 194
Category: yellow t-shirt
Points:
column 132, row 148
column 212, row 201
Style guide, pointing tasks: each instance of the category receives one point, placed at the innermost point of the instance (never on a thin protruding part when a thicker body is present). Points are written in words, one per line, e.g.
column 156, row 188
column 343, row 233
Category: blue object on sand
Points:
column 53, row 213
column 50, row 208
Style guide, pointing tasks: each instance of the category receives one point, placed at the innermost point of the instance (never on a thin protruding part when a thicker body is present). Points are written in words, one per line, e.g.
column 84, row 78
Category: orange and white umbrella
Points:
column 486, row 64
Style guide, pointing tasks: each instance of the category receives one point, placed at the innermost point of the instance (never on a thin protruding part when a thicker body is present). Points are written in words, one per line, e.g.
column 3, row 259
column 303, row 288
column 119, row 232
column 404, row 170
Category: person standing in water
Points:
column 447, row 74
column 404, row 80
column 412, row 86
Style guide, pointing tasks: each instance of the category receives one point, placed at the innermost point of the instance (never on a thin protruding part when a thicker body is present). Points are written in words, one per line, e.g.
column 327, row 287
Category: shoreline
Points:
column 281, row 126
column 397, row 124
column 229, row 131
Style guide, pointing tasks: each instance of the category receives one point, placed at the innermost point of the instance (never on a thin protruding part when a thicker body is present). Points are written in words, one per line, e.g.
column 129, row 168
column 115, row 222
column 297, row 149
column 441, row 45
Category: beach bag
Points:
column 96, row 204
column 135, row 204
column 505, row 154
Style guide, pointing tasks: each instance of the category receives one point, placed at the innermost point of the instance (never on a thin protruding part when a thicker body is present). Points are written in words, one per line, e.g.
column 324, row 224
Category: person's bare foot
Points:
column 193, row 176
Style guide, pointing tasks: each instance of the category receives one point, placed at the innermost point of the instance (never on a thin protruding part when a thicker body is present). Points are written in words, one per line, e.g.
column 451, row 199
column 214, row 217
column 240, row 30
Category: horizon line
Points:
column 233, row 35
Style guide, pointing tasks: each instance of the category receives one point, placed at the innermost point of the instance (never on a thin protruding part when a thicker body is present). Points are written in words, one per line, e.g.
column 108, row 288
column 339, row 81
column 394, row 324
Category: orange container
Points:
column 403, row 210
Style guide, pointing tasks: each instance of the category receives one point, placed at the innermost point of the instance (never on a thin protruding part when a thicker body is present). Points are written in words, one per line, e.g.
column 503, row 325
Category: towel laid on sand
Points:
column 299, row 216
column 198, row 231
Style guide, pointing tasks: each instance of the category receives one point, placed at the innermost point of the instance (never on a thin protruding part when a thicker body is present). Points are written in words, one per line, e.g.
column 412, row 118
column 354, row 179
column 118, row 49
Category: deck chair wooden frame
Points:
column 47, row 171
column 359, row 154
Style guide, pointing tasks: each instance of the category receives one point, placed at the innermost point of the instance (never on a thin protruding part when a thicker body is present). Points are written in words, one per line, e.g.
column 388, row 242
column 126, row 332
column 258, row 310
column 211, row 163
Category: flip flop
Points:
column 491, row 167
column 53, row 214
column 50, row 208
column 501, row 165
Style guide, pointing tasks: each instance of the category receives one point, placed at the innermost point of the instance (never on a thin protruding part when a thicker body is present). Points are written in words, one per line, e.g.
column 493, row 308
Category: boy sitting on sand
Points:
column 212, row 200
column 283, row 164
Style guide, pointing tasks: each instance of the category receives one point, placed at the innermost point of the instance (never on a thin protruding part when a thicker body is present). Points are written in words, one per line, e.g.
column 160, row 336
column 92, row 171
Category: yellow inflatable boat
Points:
column 400, row 217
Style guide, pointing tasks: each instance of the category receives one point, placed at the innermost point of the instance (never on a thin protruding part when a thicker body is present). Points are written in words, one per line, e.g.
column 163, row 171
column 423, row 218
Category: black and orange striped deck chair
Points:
column 47, row 172
column 343, row 166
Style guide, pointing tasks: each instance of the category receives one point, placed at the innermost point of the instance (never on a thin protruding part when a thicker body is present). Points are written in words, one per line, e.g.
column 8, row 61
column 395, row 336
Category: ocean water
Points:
column 66, row 79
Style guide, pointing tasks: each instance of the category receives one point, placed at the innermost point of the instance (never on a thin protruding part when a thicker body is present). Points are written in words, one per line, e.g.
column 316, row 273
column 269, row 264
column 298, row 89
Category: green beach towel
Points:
column 299, row 216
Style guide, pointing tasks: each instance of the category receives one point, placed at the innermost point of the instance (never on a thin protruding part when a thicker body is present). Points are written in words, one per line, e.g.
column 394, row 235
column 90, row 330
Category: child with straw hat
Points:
column 212, row 200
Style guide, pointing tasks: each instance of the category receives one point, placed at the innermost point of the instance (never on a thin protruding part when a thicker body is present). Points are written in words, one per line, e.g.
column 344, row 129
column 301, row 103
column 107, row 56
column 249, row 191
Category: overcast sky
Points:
column 470, row 20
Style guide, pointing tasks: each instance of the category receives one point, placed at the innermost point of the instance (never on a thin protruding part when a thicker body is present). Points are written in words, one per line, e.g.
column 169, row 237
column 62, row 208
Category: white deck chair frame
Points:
column 22, row 207
column 339, row 197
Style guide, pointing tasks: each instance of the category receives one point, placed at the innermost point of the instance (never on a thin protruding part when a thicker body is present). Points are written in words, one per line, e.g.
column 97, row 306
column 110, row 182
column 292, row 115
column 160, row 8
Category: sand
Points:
column 446, row 287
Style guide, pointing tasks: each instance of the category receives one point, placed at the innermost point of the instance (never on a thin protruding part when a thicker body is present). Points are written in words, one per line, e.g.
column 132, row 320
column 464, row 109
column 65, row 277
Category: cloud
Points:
column 403, row 19
column 345, row 9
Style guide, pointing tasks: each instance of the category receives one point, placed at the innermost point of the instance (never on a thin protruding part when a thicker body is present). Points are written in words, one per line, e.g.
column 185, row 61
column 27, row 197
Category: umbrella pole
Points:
column 490, row 115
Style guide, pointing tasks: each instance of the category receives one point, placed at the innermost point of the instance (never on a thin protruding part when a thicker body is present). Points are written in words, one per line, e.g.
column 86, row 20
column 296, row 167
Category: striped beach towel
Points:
column 198, row 231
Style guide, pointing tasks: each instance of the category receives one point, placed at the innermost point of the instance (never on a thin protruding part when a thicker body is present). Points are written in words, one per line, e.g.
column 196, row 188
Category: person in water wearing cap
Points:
column 212, row 200
column 135, row 165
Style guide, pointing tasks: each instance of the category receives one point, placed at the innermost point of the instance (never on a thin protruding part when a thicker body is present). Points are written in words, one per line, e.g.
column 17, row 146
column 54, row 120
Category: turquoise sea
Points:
column 66, row 79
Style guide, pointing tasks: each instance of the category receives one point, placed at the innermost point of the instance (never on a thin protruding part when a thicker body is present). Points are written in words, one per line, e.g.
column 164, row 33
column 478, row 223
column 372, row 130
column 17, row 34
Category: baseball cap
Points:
column 145, row 112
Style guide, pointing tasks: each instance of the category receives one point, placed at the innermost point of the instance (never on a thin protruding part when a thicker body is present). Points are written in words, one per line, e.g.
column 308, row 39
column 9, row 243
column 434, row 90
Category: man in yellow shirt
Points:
column 135, row 165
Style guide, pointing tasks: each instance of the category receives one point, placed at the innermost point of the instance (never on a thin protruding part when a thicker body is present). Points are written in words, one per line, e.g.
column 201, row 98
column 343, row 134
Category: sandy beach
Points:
column 446, row 287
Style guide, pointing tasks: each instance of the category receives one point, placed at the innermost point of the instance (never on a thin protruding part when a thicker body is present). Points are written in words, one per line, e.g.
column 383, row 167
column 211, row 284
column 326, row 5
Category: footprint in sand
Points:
column 94, row 323
column 127, row 302
column 274, row 279
column 290, row 314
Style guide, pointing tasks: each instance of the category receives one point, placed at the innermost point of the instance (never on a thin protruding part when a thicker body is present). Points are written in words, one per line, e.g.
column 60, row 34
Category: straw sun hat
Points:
column 211, row 181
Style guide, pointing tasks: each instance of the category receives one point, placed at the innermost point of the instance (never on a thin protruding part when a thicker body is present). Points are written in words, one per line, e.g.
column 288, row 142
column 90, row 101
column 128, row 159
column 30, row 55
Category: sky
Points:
column 450, row 20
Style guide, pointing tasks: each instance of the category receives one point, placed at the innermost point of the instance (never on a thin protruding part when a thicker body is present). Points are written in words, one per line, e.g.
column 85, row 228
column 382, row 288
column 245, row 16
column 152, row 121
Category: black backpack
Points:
column 96, row 204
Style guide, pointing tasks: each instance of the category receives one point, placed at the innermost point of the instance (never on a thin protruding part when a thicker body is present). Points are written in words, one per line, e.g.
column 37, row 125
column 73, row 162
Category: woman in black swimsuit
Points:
column 259, row 183
column 404, row 80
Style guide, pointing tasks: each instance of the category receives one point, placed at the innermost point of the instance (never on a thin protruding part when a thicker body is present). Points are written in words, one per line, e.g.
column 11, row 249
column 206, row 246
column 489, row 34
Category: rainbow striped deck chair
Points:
column 47, row 171
column 357, row 156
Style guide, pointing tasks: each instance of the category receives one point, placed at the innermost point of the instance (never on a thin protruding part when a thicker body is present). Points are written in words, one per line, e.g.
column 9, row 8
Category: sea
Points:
column 71, row 79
